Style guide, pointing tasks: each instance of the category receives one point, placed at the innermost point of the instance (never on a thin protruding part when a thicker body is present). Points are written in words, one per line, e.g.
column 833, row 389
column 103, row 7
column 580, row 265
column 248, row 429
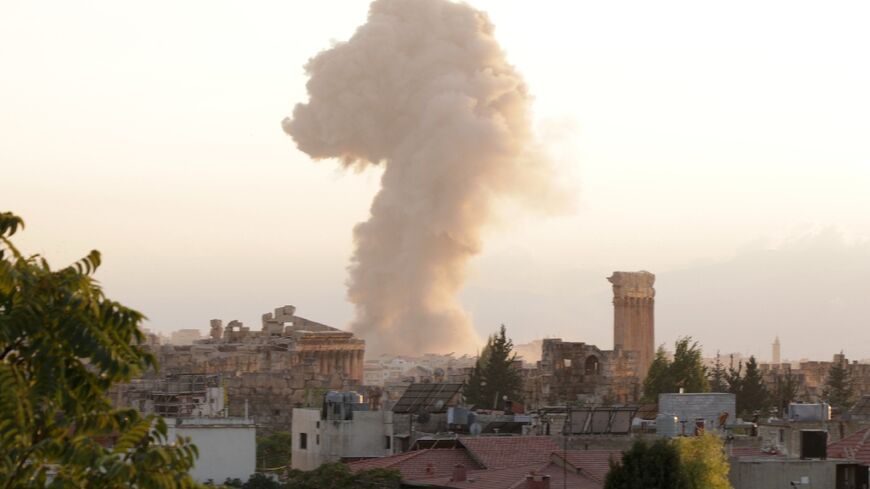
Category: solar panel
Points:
column 429, row 398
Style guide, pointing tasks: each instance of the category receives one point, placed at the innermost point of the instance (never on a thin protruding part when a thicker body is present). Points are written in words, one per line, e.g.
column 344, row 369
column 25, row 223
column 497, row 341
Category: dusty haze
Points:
column 424, row 89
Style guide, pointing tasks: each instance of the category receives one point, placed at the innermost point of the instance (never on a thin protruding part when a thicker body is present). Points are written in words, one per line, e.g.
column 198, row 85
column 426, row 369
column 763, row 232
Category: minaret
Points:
column 633, row 316
column 776, row 358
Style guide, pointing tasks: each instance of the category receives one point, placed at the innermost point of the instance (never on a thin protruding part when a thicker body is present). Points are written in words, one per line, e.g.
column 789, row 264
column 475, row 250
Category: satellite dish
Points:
column 474, row 429
column 439, row 404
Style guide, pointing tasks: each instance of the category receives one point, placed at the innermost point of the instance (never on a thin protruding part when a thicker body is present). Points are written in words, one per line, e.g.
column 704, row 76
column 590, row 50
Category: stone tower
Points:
column 775, row 357
column 634, row 317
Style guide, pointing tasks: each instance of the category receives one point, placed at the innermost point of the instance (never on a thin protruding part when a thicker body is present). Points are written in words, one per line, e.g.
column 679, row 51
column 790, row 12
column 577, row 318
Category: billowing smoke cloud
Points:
column 424, row 89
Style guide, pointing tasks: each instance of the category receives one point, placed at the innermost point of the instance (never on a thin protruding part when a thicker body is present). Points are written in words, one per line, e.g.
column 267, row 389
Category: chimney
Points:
column 534, row 481
column 459, row 473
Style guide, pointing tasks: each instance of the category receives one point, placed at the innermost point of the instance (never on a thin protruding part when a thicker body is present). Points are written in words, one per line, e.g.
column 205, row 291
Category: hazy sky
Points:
column 721, row 146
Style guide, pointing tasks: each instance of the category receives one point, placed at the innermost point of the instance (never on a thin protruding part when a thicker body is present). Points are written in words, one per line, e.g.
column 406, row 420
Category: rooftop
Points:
column 854, row 447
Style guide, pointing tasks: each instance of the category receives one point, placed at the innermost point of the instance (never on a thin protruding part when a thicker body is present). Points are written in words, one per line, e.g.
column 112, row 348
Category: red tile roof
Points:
column 499, row 462
column 514, row 478
column 497, row 452
column 594, row 464
column 419, row 464
column 854, row 447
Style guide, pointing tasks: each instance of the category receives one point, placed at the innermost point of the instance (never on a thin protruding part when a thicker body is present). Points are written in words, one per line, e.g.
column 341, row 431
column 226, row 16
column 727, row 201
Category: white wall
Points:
column 306, row 421
column 330, row 441
column 227, row 447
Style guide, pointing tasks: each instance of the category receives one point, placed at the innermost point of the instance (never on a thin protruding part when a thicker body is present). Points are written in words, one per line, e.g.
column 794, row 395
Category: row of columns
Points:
column 347, row 362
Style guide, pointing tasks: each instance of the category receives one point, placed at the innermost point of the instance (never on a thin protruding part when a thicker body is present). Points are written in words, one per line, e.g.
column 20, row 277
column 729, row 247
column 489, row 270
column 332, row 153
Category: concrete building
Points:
column 770, row 472
column 227, row 446
column 342, row 429
column 695, row 412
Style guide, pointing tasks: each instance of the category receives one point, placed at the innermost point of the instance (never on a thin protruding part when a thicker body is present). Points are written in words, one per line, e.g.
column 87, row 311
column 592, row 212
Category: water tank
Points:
column 667, row 425
column 809, row 412
column 353, row 397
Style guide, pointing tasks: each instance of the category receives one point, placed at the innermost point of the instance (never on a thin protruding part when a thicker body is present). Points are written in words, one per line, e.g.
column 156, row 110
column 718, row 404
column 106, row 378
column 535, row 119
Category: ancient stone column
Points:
column 358, row 365
column 346, row 364
column 633, row 316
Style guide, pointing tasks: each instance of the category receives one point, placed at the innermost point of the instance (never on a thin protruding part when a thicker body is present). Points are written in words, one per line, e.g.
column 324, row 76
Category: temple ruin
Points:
column 290, row 362
column 579, row 373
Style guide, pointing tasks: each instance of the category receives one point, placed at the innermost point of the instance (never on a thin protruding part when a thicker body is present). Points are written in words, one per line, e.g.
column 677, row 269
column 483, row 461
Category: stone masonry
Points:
column 291, row 362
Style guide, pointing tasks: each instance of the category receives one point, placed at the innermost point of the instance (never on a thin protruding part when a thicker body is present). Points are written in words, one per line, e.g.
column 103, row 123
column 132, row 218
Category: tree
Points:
column 273, row 451
column 785, row 391
column 491, row 382
column 473, row 391
column 658, row 378
column 646, row 466
column 718, row 377
column 703, row 462
column 753, row 398
column 696, row 462
column 338, row 476
column 63, row 343
column 839, row 390
column 687, row 371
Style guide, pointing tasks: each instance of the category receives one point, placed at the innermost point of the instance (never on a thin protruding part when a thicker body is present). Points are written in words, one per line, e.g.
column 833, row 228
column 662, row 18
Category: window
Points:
column 388, row 443
column 317, row 439
column 567, row 363
column 303, row 441
column 592, row 365
column 782, row 436
column 318, row 425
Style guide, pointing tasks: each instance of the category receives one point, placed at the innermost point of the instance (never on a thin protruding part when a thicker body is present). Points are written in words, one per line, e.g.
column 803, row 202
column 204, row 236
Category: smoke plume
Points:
column 423, row 89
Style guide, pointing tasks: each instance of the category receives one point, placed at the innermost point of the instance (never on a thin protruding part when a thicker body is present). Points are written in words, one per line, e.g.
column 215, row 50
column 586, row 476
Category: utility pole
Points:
column 566, row 431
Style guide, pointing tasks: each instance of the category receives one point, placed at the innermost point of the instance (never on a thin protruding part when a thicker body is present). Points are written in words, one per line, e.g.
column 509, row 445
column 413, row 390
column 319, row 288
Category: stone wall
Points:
column 578, row 373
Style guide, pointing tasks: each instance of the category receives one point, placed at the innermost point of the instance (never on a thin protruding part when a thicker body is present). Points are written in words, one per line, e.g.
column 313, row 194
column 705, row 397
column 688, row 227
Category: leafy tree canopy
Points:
column 703, row 460
column 339, row 476
column 63, row 343
column 686, row 371
column 273, row 451
column 697, row 462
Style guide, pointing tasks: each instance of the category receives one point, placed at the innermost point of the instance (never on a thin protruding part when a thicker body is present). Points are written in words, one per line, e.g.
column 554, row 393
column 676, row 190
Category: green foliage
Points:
column 753, row 398
column 491, row 381
column 258, row 481
column 704, row 464
column 62, row 345
column 646, row 466
column 718, row 377
column 687, row 371
column 273, row 451
column 339, row 476
column 685, row 463
column 839, row 390
column 784, row 392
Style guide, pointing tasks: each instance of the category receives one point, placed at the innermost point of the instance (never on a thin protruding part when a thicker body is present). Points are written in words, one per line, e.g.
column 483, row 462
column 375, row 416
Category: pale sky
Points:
column 723, row 147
